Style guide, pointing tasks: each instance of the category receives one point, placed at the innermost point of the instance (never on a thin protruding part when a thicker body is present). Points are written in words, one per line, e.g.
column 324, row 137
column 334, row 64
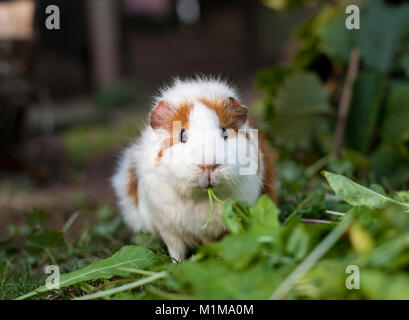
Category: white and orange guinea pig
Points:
column 198, row 137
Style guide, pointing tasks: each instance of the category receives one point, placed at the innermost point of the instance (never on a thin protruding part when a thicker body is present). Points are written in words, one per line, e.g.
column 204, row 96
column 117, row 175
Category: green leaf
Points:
column 395, row 127
column 365, row 106
column 302, row 106
column 270, row 79
column 336, row 39
column 36, row 217
column 361, row 240
column 128, row 257
column 214, row 280
column 302, row 92
column 265, row 212
column 378, row 285
column 404, row 62
column 42, row 238
column 377, row 43
column 299, row 242
column 357, row 195
column 231, row 217
column 389, row 165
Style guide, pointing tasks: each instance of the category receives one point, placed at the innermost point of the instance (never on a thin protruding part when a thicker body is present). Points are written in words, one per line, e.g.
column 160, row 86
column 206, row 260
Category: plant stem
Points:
column 138, row 271
column 335, row 213
column 102, row 286
column 50, row 255
column 300, row 206
column 128, row 286
column 209, row 192
column 316, row 221
column 242, row 214
column 317, row 166
column 215, row 197
column 70, row 221
column 345, row 103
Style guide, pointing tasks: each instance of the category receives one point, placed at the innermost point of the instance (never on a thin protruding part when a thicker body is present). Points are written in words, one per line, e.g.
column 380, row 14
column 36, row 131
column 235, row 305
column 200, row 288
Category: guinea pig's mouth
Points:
column 208, row 181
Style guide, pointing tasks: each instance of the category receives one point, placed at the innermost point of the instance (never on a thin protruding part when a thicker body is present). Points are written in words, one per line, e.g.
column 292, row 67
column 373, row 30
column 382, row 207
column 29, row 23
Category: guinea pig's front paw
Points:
column 176, row 247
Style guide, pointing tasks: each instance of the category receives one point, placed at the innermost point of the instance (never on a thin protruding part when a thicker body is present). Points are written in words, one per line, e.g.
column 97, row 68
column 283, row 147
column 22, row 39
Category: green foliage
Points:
column 376, row 125
column 262, row 258
column 36, row 217
column 356, row 194
column 365, row 107
column 297, row 249
column 42, row 238
column 297, row 120
column 114, row 96
column 128, row 257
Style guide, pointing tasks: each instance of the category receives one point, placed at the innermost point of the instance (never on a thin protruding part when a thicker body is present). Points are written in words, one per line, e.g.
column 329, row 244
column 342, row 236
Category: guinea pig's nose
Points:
column 208, row 167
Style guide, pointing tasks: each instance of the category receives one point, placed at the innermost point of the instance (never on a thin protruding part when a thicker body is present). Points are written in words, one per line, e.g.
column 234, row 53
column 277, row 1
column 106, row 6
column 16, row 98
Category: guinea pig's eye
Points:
column 183, row 136
column 224, row 133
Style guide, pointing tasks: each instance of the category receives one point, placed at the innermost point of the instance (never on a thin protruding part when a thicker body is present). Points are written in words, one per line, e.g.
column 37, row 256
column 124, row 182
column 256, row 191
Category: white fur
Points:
column 171, row 203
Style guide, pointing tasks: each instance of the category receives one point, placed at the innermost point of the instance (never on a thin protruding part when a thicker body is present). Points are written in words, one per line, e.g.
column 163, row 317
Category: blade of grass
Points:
column 138, row 271
column 70, row 221
column 129, row 286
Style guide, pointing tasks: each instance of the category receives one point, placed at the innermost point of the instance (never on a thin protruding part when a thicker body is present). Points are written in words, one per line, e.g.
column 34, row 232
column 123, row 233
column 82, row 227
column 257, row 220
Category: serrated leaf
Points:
column 127, row 257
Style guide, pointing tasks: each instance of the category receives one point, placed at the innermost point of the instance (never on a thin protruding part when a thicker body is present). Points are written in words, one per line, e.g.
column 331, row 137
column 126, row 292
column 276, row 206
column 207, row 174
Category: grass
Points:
column 22, row 271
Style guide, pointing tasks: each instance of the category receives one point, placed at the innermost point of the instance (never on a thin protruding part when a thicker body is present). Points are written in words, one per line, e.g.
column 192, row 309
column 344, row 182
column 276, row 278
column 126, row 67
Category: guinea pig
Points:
column 198, row 137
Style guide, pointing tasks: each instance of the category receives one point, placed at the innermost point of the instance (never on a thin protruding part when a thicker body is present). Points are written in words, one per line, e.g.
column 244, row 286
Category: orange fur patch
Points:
column 269, row 177
column 133, row 185
column 164, row 119
column 229, row 111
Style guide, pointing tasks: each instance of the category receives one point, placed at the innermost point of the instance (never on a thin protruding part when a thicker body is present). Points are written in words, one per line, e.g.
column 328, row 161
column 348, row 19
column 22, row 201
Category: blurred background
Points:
column 72, row 98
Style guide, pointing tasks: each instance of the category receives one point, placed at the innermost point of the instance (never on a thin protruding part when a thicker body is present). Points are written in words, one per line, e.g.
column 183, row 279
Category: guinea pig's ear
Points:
column 237, row 113
column 161, row 115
